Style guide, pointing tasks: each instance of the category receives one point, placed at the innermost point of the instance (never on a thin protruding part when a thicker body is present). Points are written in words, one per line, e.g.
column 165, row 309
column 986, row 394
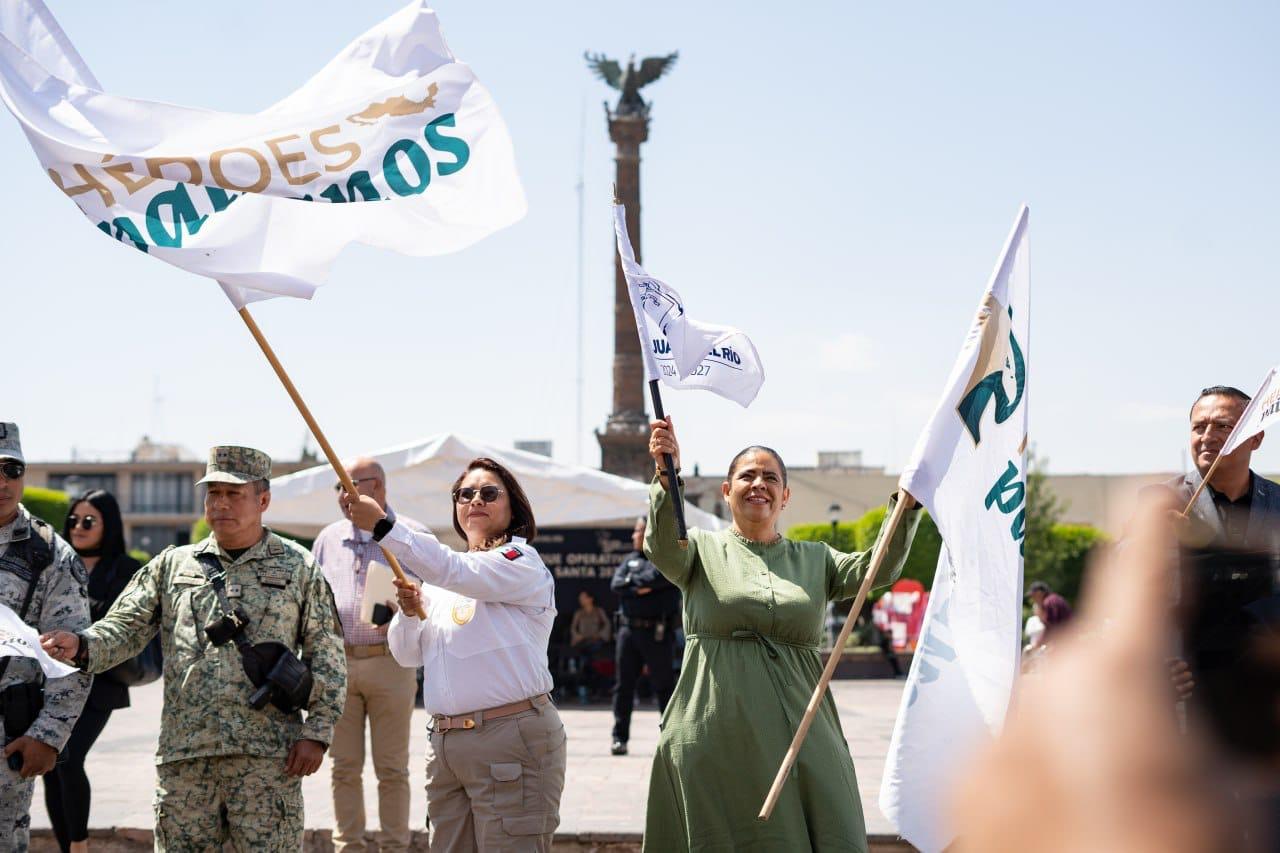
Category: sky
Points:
column 836, row 179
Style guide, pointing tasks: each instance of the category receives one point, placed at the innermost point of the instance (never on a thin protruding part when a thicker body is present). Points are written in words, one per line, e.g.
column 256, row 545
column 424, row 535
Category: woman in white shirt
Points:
column 496, row 759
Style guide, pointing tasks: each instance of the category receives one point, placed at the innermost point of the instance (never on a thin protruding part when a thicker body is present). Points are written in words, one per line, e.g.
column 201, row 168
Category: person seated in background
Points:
column 96, row 531
column 589, row 632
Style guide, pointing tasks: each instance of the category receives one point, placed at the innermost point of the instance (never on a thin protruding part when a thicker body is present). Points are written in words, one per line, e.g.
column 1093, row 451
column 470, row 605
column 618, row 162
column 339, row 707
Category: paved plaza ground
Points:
column 603, row 794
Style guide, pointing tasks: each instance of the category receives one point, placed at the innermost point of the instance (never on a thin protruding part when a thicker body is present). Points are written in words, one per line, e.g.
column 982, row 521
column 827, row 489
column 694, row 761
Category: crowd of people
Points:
column 272, row 658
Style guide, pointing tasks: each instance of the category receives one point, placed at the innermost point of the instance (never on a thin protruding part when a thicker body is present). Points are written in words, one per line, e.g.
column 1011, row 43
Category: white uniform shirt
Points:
column 489, row 616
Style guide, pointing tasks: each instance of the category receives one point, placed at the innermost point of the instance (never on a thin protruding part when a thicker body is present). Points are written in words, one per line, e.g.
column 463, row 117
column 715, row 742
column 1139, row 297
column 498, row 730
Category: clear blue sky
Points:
column 834, row 178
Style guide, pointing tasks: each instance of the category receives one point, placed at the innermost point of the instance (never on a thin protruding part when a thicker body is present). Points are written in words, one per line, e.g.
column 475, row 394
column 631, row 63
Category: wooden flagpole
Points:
column 802, row 731
column 1204, row 481
column 334, row 461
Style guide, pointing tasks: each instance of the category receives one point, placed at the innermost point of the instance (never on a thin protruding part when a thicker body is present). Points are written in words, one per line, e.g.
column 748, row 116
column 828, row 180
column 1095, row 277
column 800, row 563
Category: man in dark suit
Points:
column 1231, row 551
column 1238, row 509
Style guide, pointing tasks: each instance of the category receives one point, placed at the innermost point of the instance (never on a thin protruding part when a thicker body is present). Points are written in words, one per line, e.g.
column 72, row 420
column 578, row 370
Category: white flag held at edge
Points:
column 968, row 469
column 18, row 639
column 1263, row 411
column 264, row 202
column 680, row 351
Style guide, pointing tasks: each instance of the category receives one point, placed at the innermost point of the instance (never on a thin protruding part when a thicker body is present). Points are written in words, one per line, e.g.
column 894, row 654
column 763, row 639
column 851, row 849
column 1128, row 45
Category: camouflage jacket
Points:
column 59, row 602
column 206, row 692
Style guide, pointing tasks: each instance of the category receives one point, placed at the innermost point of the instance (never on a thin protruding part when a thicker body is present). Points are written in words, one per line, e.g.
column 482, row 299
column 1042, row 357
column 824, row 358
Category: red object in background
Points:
column 900, row 613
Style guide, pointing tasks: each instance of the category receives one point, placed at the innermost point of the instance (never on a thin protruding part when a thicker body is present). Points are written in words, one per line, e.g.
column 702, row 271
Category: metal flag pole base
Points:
column 338, row 468
column 802, row 731
column 673, row 481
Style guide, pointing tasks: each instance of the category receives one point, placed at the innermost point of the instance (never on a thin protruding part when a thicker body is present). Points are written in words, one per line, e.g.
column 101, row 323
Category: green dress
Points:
column 753, row 615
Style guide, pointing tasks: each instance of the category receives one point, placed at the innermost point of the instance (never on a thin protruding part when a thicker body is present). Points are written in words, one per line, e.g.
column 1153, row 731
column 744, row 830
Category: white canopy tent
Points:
column 419, row 475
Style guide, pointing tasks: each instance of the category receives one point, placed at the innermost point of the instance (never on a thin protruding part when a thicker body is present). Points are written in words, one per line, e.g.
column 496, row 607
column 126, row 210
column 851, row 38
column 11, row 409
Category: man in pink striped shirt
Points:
column 378, row 689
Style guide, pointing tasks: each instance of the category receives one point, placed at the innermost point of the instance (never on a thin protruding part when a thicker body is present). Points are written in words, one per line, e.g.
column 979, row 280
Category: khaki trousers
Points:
column 497, row 787
column 381, row 691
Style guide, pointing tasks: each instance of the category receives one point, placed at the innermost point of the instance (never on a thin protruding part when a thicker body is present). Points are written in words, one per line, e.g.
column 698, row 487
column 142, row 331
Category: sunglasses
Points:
column 13, row 470
column 337, row 487
column 86, row 523
column 465, row 495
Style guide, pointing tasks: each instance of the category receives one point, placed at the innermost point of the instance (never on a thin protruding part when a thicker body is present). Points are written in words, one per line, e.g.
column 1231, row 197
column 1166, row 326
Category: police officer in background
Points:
column 231, row 611
column 43, row 581
column 648, row 608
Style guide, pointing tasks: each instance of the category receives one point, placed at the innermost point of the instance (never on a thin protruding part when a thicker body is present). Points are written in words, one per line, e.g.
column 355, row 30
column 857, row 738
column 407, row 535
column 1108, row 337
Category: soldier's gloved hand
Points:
column 60, row 645
column 364, row 511
column 304, row 758
column 37, row 758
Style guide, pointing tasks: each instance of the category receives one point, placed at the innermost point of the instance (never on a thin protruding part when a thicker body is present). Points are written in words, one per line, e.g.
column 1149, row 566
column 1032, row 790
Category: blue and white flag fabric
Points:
column 18, row 639
column 678, row 350
column 259, row 202
column 969, row 471
column 1262, row 412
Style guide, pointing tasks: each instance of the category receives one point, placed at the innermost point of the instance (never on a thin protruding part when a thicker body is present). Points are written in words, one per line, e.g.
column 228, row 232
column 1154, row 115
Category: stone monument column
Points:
column 624, row 441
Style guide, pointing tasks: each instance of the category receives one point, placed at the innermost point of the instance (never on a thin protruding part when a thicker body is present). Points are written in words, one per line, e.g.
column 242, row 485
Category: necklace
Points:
column 777, row 537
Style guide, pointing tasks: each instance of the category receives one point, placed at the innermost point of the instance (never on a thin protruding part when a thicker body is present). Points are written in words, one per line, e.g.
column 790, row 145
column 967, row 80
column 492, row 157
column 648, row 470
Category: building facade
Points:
column 155, row 486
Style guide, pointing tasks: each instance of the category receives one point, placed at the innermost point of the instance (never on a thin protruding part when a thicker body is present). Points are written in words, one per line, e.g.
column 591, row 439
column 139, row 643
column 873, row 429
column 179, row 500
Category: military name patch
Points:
column 512, row 553
column 234, row 590
column 276, row 576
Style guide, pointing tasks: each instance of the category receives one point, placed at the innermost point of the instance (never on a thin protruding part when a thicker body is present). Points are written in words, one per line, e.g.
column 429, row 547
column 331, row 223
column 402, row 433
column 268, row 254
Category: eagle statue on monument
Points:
column 631, row 80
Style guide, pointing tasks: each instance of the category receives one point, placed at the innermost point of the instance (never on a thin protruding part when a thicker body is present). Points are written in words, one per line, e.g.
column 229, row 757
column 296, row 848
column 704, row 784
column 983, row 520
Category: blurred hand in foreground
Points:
column 1091, row 757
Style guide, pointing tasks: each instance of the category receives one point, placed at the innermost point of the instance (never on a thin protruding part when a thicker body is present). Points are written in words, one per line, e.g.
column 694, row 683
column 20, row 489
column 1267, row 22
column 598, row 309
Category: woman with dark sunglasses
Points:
column 96, row 532
column 496, row 757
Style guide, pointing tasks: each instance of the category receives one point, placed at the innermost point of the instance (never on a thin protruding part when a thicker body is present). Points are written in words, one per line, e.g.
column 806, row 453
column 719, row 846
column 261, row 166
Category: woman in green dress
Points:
column 753, row 612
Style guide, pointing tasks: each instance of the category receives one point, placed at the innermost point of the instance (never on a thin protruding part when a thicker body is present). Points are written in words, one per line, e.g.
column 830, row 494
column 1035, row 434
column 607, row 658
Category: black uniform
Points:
column 646, row 635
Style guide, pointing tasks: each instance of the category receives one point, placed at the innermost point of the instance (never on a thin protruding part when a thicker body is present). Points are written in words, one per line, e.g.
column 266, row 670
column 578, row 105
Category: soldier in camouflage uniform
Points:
column 58, row 601
column 225, row 769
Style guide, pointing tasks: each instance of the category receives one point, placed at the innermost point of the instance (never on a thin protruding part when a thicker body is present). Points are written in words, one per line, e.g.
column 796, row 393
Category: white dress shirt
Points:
column 489, row 616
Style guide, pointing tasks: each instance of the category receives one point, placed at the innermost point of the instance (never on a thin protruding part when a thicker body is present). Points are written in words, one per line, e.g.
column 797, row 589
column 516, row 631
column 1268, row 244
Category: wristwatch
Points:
column 382, row 528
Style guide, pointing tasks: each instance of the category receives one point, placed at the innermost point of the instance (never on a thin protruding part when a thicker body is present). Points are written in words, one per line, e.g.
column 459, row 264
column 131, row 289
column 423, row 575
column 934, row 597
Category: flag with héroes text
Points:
column 264, row 202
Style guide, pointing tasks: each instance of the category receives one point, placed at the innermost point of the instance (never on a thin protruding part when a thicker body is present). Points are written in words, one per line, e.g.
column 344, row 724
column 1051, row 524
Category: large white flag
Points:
column 679, row 350
column 968, row 469
column 260, row 201
column 1263, row 411
column 18, row 639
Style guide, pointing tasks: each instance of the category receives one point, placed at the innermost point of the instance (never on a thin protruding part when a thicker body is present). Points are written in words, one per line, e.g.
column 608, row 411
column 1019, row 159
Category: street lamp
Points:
column 833, row 512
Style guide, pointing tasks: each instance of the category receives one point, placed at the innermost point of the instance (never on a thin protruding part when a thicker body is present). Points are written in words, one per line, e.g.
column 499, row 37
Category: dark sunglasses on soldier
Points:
column 86, row 523
column 13, row 470
column 465, row 495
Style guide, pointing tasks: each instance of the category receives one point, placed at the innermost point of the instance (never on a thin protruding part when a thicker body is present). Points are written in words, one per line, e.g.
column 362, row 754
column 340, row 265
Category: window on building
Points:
column 154, row 538
column 76, row 484
column 162, row 492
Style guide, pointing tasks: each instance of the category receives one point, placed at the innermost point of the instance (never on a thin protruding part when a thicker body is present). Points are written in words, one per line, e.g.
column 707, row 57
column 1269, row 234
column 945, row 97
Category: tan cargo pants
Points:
column 497, row 787
column 381, row 691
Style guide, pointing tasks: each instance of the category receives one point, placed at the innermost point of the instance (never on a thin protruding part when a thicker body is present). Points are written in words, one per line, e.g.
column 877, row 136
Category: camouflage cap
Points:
column 230, row 464
column 10, row 446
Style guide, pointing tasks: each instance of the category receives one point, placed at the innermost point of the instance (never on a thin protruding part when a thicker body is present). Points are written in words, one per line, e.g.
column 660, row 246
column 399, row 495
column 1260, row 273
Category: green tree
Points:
column 860, row 535
column 47, row 505
column 1056, row 553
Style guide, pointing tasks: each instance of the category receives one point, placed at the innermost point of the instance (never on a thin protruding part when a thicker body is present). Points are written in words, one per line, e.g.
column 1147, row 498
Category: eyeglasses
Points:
column 488, row 494
column 337, row 487
column 13, row 470
column 86, row 523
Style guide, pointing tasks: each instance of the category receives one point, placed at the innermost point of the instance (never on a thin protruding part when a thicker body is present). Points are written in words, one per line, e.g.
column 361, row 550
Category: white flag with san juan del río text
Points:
column 681, row 352
column 1263, row 411
column 969, row 471
column 264, row 202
